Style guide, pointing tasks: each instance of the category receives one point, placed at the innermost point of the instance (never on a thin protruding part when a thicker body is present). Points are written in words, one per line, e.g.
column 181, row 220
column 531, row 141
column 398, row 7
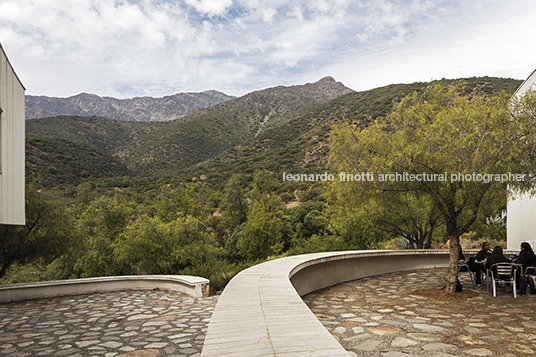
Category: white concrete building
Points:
column 521, row 209
column 12, row 145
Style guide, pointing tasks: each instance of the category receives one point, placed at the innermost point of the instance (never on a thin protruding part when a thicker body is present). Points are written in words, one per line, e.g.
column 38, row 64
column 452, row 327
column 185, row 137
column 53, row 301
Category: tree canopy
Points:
column 41, row 237
column 437, row 157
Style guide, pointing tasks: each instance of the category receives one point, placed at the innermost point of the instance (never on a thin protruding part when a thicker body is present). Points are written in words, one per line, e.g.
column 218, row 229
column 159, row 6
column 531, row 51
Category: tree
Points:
column 264, row 183
column 194, row 199
column 152, row 246
column 409, row 215
column 308, row 219
column 523, row 114
column 46, row 231
column 352, row 222
column 234, row 206
column 262, row 233
column 99, row 226
column 440, row 143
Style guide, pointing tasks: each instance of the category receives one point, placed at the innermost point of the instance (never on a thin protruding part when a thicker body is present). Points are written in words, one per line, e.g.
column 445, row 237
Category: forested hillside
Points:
column 203, row 195
column 54, row 161
column 302, row 144
column 162, row 146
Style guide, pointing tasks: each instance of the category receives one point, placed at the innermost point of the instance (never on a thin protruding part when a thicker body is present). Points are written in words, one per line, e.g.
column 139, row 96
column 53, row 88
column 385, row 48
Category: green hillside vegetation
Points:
column 101, row 132
column 204, row 196
column 53, row 161
column 302, row 145
column 155, row 147
column 208, row 132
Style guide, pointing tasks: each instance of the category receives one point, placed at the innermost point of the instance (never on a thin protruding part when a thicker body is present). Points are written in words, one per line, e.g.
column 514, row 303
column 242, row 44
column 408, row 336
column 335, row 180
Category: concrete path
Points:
column 379, row 317
column 125, row 324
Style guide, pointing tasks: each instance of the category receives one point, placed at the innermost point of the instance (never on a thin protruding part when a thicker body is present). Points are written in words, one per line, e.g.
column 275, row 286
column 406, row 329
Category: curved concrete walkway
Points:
column 261, row 313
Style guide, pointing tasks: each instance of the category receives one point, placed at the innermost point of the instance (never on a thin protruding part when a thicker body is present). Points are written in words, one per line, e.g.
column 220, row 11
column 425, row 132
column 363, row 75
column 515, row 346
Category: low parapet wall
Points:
column 261, row 313
column 191, row 285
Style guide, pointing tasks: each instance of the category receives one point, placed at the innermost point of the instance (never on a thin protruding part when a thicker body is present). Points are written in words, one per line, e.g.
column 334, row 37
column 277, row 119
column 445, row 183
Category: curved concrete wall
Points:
column 319, row 273
column 191, row 285
column 261, row 313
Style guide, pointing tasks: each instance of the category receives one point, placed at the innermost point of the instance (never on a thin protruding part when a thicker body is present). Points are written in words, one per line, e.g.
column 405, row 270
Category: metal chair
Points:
column 503, row 272
column 464, row 268
column 485, row 274
column 479, row 268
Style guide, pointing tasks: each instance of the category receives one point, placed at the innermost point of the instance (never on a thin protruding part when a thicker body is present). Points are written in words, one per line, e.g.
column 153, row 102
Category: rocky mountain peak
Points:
column 135, row 109
column 326, row 79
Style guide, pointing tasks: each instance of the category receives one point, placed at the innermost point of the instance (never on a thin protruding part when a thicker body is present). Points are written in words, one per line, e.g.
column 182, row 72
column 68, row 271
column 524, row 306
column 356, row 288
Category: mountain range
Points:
column 135, row 109
column 279, row 129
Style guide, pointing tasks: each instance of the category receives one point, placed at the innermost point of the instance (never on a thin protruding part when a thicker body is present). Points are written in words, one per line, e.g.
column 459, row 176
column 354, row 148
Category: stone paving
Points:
column 378, row 316
column 123, row 324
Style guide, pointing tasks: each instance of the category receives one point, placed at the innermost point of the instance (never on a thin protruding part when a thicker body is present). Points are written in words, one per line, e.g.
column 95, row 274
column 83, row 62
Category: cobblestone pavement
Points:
column 379, row 316
column 123, row 324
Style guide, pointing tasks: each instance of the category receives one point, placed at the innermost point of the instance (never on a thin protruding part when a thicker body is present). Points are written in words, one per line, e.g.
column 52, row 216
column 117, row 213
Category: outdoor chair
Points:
column 464, row 268
column 484, row 277
column 503, row 273
column 530, row 271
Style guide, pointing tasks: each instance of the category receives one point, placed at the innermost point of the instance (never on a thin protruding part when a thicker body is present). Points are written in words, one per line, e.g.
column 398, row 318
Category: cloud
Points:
column 128, row 48
column 210, row 7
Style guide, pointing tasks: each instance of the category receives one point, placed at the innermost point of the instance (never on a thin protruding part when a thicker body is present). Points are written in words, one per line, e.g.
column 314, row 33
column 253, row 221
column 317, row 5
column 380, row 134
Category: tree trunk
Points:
column 429, row 239
column 3, row 270
column 452, row 276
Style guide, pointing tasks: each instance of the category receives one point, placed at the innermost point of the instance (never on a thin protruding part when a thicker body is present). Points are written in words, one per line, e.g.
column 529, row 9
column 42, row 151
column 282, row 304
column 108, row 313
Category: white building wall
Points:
column 521, row 221
column 12, row 145
column 521, row 209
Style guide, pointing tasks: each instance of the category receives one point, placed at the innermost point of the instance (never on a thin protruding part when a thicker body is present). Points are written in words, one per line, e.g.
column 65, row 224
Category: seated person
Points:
column 484, row 253
column 477, row 265
column 462, row 266
column 526, row 256
column 497, row 256
column 461, row 257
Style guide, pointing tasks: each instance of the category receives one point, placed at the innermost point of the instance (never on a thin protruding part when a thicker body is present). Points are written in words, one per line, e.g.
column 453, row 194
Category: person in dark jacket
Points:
column 484, row 252
column 461, row 257
column 462, row 264
column 526, row 256
column 477, row 265
column 497, row 256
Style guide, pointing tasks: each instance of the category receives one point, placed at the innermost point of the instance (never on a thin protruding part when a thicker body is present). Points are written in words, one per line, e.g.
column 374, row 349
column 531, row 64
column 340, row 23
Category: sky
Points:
column 133, row 48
